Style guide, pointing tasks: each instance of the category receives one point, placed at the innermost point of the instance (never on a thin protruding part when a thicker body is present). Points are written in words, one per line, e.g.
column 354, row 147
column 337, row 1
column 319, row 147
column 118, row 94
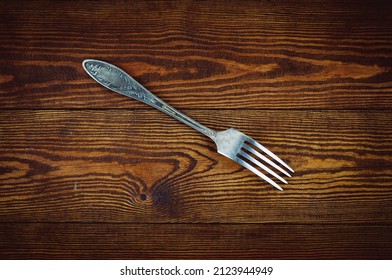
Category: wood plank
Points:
column 193, row 241
column 199, row 54
column 142, row 166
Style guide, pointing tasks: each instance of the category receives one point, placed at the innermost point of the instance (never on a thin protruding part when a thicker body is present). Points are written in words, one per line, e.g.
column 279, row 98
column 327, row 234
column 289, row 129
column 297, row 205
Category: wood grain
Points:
column 189, row 241
column 89, row 174
column 257, row 54
column 141, row 166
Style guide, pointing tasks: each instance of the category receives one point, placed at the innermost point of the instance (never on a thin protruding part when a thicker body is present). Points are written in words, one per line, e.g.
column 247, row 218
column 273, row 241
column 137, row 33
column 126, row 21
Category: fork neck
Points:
column 173, row 112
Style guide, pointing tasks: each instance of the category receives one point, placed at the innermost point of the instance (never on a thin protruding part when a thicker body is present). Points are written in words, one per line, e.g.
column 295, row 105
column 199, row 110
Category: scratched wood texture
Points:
column 87, row 173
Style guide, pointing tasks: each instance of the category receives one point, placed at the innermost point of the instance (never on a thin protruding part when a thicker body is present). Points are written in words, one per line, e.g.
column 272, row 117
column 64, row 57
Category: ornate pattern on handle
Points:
column 119, row 81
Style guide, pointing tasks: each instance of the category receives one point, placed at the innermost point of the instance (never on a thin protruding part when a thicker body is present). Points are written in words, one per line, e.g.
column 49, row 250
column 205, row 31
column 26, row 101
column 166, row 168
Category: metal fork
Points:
column 230, row 143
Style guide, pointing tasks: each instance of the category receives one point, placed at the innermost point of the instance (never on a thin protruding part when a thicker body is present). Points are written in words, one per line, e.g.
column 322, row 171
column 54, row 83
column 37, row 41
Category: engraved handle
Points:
column 117, row 80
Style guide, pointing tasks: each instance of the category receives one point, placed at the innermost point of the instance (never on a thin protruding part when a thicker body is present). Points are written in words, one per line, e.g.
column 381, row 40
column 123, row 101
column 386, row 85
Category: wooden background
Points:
column 87, row 173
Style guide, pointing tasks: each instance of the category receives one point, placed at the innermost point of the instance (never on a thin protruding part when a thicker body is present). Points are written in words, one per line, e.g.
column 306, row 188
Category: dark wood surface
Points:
column 87, row 173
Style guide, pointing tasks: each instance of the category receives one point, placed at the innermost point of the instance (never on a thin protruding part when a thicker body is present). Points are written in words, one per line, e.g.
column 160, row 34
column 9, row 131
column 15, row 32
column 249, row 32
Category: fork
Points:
column 230, row 143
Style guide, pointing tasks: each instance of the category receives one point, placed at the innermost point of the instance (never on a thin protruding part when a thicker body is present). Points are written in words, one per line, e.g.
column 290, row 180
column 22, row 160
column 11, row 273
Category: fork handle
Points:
column 119, row 81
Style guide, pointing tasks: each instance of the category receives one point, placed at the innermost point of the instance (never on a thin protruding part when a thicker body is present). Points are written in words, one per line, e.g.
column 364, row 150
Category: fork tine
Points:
column 248, row 157
column 268, row 152
column 257, row 172
column 267, row 160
